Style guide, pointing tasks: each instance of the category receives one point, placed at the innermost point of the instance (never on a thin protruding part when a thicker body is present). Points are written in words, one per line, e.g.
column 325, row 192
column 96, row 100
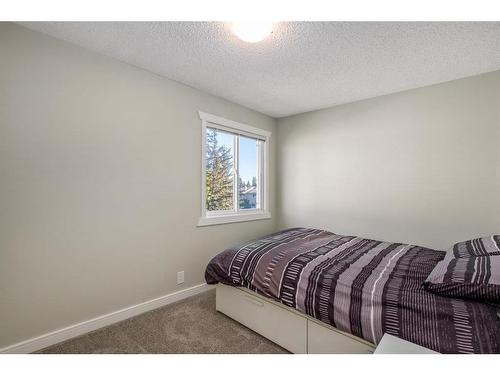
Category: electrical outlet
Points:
column 180, row 277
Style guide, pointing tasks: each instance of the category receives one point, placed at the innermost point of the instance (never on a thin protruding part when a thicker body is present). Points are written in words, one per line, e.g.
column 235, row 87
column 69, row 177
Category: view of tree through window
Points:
column 220, row 164
column 219, row 170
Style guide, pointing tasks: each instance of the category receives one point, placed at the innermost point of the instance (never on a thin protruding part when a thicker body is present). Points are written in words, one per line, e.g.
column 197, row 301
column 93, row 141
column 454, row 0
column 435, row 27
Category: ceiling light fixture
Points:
column 252, row 31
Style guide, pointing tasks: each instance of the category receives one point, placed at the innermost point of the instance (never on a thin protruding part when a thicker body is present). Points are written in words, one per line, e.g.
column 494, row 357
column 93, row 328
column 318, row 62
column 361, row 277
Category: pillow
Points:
column 474, row 277
column 485, row 246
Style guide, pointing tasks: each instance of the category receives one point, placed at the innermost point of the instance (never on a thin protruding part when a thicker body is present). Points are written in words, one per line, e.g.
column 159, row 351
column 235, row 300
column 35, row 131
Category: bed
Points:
column 357, row 289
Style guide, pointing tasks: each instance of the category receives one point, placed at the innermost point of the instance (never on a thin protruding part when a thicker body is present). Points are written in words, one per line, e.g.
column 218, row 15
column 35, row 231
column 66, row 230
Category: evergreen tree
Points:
column 219, row 174
column 254, row 181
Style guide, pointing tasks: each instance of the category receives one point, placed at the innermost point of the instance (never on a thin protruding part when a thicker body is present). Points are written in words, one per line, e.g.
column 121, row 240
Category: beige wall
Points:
column 421, row 166
column 99, row 185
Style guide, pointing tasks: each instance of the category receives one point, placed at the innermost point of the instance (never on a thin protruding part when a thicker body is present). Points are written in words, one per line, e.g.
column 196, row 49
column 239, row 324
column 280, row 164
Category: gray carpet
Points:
column 188, row 326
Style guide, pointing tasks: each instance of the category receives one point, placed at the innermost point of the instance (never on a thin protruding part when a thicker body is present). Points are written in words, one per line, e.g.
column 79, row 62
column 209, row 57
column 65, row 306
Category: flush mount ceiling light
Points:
column 252, row 31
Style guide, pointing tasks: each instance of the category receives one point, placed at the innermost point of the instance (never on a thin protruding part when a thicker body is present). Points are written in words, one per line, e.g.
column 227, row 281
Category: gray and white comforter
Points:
column 363, row 287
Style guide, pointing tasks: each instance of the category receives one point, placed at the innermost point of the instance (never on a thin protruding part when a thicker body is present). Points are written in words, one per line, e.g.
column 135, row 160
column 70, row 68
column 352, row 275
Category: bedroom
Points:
column 197, row 187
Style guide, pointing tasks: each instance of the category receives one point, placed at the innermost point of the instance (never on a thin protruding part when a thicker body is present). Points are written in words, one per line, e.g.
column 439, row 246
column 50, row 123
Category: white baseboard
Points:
column 54, row 337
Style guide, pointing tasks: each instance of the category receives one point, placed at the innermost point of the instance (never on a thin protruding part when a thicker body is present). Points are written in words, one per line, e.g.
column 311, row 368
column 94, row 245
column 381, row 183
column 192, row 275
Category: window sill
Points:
column 236, row 218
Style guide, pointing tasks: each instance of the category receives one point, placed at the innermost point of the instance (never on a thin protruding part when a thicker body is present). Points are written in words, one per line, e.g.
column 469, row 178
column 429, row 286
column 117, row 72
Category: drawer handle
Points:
column 255, row 302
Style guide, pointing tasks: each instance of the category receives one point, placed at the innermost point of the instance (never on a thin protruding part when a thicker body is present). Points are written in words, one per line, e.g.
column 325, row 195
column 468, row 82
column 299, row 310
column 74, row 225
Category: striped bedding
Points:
column 472, row 277
column 363, row 287
column 485, row 246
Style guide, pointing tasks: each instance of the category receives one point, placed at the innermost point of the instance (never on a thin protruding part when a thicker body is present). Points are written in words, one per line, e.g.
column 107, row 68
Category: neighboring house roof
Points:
column 250, row 190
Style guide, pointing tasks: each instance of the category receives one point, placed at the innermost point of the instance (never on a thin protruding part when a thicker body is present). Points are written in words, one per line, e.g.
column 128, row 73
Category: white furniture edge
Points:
column 54, row 337
column 390, row 344
column 322, row 328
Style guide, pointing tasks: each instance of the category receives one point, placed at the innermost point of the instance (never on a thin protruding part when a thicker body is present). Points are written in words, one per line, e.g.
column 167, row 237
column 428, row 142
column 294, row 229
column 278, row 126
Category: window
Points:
column 234, row 171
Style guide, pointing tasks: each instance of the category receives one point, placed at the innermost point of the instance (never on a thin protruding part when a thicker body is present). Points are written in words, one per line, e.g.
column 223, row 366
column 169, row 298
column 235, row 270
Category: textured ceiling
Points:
column 302, row 66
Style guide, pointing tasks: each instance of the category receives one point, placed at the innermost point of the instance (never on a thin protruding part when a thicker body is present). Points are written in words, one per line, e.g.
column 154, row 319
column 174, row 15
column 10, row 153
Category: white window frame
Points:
column 237, row 214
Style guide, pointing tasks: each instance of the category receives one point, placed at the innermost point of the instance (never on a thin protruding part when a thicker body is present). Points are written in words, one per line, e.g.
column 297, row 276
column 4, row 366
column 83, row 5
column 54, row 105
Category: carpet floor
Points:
column 188, row 326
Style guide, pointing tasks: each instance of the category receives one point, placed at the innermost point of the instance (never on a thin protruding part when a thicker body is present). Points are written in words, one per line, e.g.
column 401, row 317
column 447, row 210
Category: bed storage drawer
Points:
column 323, row 340
column 282, row 326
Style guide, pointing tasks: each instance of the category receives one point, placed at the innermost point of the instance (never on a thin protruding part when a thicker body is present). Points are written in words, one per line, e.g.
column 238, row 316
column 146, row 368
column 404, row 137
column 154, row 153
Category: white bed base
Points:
column 287, row 327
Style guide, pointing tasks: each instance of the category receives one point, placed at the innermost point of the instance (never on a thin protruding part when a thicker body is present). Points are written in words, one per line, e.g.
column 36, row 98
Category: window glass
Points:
column 234, row 162
column 248, row 173
column 219, row 170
